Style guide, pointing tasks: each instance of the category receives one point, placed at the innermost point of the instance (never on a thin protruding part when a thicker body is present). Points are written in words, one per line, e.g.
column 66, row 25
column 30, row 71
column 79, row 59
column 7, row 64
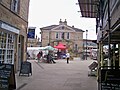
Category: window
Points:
column 63, row 35
column 57, row 35
column 6, row 48
column 76, row 47
column 14, row 5
column 68, row 36
column 63, row 27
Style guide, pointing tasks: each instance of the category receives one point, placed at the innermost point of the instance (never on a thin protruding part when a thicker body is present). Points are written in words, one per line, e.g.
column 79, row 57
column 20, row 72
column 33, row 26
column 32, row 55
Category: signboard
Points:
column 25, row 68
column 31, row 33
column 110, row 79
column 7, row 77
column 8, row 27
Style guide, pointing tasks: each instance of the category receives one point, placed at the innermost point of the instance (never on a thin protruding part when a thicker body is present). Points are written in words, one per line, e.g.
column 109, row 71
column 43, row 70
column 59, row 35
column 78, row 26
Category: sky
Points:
column 44, row 13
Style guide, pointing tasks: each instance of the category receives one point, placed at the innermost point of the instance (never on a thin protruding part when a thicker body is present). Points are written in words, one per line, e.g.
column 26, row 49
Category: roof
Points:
column 76, row 29
column 31, row 27
column 53, row 26
column 89, row 8
column 90, row 43
column 49, row 27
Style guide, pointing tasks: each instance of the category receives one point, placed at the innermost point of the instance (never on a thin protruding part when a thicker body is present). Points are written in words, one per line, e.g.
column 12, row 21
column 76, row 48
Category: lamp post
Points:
column 86, row 43
column 49, row 37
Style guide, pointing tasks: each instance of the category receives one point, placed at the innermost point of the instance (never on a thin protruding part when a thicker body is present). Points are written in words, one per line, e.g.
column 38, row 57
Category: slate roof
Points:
column 76, row 29
column 53, row 26
column 49, row 27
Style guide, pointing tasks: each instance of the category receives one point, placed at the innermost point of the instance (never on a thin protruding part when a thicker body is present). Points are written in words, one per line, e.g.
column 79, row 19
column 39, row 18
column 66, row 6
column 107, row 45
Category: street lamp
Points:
column 49, row 37
column 86, row 43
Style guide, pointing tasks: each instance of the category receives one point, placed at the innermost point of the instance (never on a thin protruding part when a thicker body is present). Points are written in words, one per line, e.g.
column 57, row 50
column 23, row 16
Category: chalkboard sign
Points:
column 110, row 79
column 25, row 68
column 93, row 66
column 7, row 77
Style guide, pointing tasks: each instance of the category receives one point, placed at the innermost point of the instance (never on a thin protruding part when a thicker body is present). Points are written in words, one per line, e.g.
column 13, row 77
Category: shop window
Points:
column 6, row 48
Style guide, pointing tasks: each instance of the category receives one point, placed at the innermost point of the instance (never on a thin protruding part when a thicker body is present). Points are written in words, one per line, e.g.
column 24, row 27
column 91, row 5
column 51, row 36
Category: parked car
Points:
column 63, row 56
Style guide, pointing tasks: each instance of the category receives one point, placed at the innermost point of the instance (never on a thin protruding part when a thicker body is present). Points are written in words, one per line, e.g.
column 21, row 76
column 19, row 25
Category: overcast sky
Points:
column 48, row 12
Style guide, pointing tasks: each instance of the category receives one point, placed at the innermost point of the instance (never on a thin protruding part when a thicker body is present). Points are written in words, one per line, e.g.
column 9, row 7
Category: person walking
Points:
column 50, row 55
column 38, row 57
column 41, row 55
column 68, row 57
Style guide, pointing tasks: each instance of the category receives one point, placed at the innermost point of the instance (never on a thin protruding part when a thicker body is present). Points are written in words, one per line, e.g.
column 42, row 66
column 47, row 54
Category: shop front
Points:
column 10, row 45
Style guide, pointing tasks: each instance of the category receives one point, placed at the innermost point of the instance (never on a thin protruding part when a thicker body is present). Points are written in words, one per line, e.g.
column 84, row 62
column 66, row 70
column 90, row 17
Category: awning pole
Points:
column 109, row 35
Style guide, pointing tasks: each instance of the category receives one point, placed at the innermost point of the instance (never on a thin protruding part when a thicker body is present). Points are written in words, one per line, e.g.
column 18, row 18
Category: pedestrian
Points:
column 41, row 55
column 47, row 56
column 68, row 57
column 38, row 56
column 28, row 55
column 51, row 59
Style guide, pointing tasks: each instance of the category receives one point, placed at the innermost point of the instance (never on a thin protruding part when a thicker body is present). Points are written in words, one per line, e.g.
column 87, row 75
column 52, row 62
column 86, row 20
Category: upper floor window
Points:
column 63, row 35
column 76, row 46
column 63, row 27
column 14, row 5
column 57, row 35
column 68, row 35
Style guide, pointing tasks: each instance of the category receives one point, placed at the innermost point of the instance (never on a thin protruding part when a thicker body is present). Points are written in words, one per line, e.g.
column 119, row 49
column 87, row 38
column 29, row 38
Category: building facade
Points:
column 70, row 36
column 89, row 45
column 108, row 29
column 32, row 39
column 107, row 17
column 13, row 31
column 33, row 42
column 107, row 14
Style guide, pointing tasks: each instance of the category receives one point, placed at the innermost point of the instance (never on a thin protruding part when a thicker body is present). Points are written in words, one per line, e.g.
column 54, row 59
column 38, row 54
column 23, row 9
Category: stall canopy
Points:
column 33, row 51
column 50, row 48
column 60, row 46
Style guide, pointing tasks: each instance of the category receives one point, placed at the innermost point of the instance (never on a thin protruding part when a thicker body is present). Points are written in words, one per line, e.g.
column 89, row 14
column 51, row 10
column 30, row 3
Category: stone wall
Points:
column 18, row 20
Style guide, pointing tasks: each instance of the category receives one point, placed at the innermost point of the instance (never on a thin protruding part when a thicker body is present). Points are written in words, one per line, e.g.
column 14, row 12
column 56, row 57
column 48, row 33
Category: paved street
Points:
column 59, row 76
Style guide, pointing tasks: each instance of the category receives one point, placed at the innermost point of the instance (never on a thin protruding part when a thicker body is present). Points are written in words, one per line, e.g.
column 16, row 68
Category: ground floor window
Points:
column 6, row 47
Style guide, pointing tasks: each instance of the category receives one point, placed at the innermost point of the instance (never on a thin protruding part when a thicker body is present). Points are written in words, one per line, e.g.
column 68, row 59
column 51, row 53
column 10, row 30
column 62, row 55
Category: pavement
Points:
column 58, row 76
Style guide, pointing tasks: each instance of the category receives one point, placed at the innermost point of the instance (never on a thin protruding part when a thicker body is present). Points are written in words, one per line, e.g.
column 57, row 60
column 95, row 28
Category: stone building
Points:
column 32, row 39
column 88, row 45
column 13, row 31
column 33, row 42
column 70, row 36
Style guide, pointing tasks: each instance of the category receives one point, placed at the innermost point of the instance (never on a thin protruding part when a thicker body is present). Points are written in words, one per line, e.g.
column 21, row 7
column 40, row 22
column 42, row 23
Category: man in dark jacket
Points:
column 50, row 57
